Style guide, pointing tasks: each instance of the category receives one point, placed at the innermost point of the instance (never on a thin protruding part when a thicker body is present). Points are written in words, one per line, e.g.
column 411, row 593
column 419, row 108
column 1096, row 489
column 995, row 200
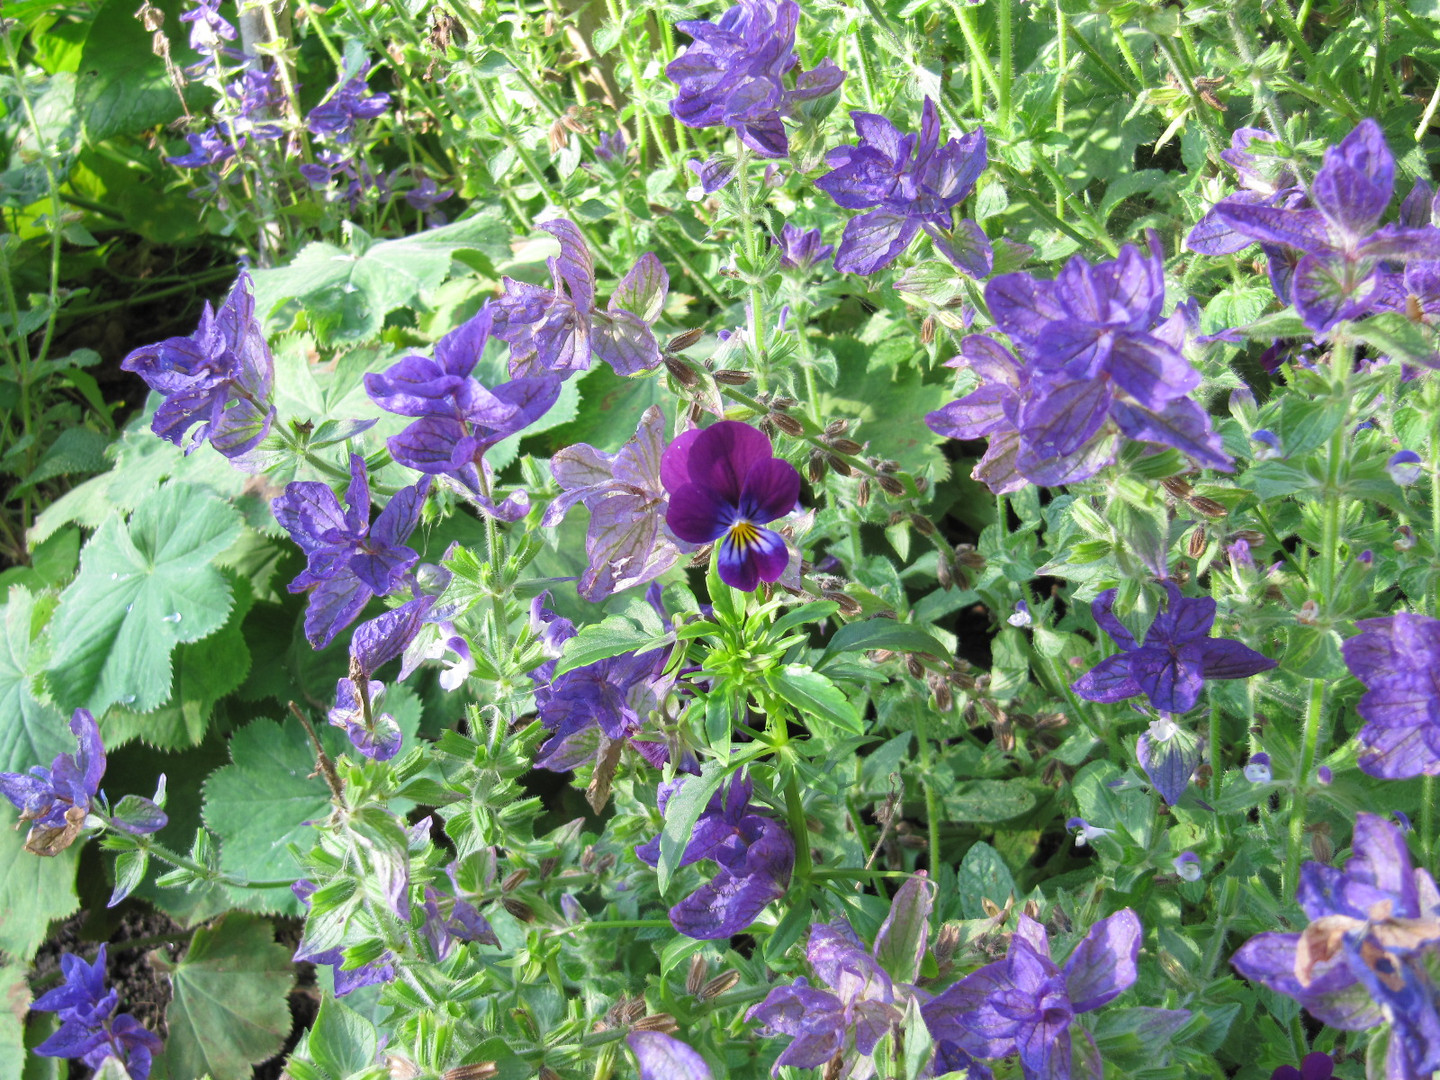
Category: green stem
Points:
column 1204, row 115
column 753, row 256
column 1098, row 233
column 965, row 14
column 932, row 801
column 1133, row 64
column 1007, row 65
column 1107, row 69
column 1259, row 86
column 164, row 854
column 1062, row 42
column 1382, row 41
column 1427, row 820
column 1310, row 740
column 799, row 830
column 1215, row 760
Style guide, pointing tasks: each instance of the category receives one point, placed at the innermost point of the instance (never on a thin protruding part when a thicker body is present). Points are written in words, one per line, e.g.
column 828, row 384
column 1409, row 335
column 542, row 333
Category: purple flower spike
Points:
column 1178, row 655
column 220, row 377
column 1025, row 1005
column 625, row 543
column 1398, row 660
column 348, row 104
column 207, row 149
column 208, row 28
column 732, row 74
column 913, row 183
column 89, row 1029
column 664, row 1057
column 1316, row 1066
column 724, row 484
column 801, row 249
column 1369, row 952
column 348, row 559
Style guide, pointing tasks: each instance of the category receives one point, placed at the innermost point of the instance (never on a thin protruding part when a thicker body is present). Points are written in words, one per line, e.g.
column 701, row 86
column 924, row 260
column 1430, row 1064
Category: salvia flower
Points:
column 626, row 544
column 1405, row 467
column 1315, row 1066
column 375, row 736
column 1169, row 755
column 346, row 979
column 912, row 183
column 454, row 918
column 348, row 560
column 208, row 28
column 1085, row 833
column 1025, row 1004
column 1398, row 660
column 732, row 74
column 754, row 852
column 1369, row 952
column 664, row 1057
column 612, row 146
column 208, row 149
column 1257, row 769
column 255, row 99
column 1178, row 655
column 1187, row 865
column 348, row 104
column 427, row 195
column 89, row 1028
column 57, row 800
column 725, row 484
column 1338, row 237
column 459, row 419
column 1264, row 181
column 800, row 249
column 220, row 377
column 557, row 331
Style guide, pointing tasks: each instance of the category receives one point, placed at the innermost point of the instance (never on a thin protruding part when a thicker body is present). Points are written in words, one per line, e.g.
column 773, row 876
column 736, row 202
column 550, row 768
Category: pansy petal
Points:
column 770, row 490
column 698, row 515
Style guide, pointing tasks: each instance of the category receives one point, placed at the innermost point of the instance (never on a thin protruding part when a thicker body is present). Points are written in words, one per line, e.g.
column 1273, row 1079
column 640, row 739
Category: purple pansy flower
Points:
column 1398, row 660
column 346, row 979
column 733, row 74
column 725, row 483
column 89, row 1030
column 57, row 800
column 375, row 736
column 1316, row 1066
column 219, row 377
column 348, row 104
column 1338, row 236
column 1025, row 1005
column 912, row 183
column 755, row 854
column 556, row 331
column 625, row 543
column 1178, row 655
column 800, row 249
column 593, row 710
column 1367, row 955
column 348, row 560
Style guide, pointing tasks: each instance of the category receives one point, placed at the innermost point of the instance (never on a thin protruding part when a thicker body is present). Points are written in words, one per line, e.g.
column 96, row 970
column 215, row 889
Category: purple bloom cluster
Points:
column 1095, row 359
column 1370, row 949
column 1343, row 260
column 348, row 560
column 347, row 980
column 208, row 149
column 220, row 377
column 733, row 74
column 801, row 249
column 453, row 918
column 725, row 484
column 1178, row 655
column 626, row 544
column 1398, row 660
column 755, row 854
column 912, row 183
column 89, row 1028
column 57, row 800
column 208, row 28
column 347, row 104
column 560, row 330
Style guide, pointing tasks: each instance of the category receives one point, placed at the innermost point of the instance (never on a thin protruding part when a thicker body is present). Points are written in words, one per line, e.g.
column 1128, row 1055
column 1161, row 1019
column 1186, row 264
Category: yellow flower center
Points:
column 743, row 534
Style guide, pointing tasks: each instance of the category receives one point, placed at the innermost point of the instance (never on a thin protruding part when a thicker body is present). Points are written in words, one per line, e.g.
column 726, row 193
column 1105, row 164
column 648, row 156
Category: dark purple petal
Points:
column 400, row 516
column 1021, row 305
column 1329, row 288
column 770, row 490
column 386, row 636
column 1102, row 608
column 722, row 456
column 1172, row 678
column 698, row 515
column 725, row 905
column 310, row 513
column 1226, row 659
column 675, row 461
column 1212, row 235
column 1303, row 229
column 743, row 564
column 1169, row 763
column 1182, row 424
column 1150, row 371
column 334, row 605
column 1108, row 681
column 1102, row 967
column 1354, row 185
column 873, row 241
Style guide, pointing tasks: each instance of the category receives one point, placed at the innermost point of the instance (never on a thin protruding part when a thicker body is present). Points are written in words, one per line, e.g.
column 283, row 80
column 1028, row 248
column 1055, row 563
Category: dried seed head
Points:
column 681, row 371
column 940, row 691
column 849, row 606
column 547, row 1073
column 943, row 574
column 661, row 1022
column 886, row 465
column 1047, row 774
column 606, row 863
column 991, row 908
column 967, row 556
column 767, row 425
column 845, row 446
column 1309, row 614
column 151, row 17
column 862, row 493
column 559, row 136
column 1176, row 486
column 514, row 880
column 783, row 402
column 683, row 340
column 947, row 941
column 1004, row 735
column 719, row 984
column 518, row 908
column 695, row 977
column 696, row 412
column 732, row 377
column 1322, row 847
column 840, row 465
column 788, row 424
column 922, row 524
column 547, row 866
column 1031, row 909
column 587, row 857
column 633, row 1010
column 890, row 485
column 1198, row 542
column 836, row 427
column 401, row 1068
column 481, row 1070
column 927, row 330
column 914, row 667
column 1207, row 506
column 1049, row 721
column 921, row 483
column 815, row 467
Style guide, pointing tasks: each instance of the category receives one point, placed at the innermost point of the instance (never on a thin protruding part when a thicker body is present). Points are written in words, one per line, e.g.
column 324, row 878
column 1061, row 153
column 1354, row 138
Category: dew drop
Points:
column 114, row 577
column 128, row 699
column 172, row 618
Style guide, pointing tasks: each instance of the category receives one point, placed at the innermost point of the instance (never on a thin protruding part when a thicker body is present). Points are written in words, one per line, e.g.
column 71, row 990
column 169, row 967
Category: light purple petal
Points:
column 1102, row 967
column 664, row 1057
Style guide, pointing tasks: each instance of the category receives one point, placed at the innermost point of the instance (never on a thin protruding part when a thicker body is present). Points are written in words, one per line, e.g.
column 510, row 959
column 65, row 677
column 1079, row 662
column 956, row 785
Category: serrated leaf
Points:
column 612, row 636
column 33, row 731
column 143, row 588
column 261, row 802
column 228, row 1006
column 34, row 890
column 681, row 813
column 342, row 1041
column 75, row 450
column 988, row 800
column 882, row 634
column 15, row 993
column 815, row 697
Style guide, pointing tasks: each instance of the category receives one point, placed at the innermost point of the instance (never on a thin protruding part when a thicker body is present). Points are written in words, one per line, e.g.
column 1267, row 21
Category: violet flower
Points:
column 611, row 147
column 376, row 736
column 89, row 1029
column 801, row 249
column 1337, row 276
column 346, row 979
column 1187, row 865
column 1316, row 1066
column 348, row 104
column 389, row 635
column 1178, row 655
column 57, row 800
column 725, row 483
column 733, row 74
column 256, row 97
column 593, row 711
column 1398, row 660
column 1264, row 181
column 557, row 331
column 207, row 149
column 348, row 560
column 755, row 854
column 208, row 28
column 912, row 183
column 625, row 544
column 1025, row 1005
column 427, row 195
column 1368, row 954
column 458, row 418
column 463, row 921
column 1169, row 755
column 664, row 1057
column 220, row 377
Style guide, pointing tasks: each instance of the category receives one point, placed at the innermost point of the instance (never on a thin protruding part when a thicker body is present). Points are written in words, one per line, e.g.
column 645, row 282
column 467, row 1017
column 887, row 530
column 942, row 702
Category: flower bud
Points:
column 943, row 573
column 845, row 446
column 913, row 666
column 587, row 857
column 1322, row 848
column 1198, row 542
column 401, row 1068
column 849, row 606
column 606, row 863
column 547, row 1073
column 732, row 377
column 947, row 941
column 661, row 1022
column 927, row 330
column 890, row 485
column 940, row 691
column 726, row 980
column 1407, row 538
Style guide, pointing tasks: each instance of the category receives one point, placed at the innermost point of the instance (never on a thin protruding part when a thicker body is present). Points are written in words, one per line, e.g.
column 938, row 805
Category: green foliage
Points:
column 33, row 891
column 36, row 731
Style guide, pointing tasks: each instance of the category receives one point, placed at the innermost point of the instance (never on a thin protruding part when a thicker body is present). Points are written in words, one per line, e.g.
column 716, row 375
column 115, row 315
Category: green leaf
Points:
column 814, row 696
column 983, row 873
column 988, row 800
column 142, row 589
column 259, row 804
column 882, row 634
column 15, row 992
column 34, row 889
column 122, row 86
column 33, row 732
column 1398, row 338
column 342, row 1041
column 727, row 603
column 75, row 450
column 610, row 637
column 347, row 294
column 228, row 1006
column 681, row 813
